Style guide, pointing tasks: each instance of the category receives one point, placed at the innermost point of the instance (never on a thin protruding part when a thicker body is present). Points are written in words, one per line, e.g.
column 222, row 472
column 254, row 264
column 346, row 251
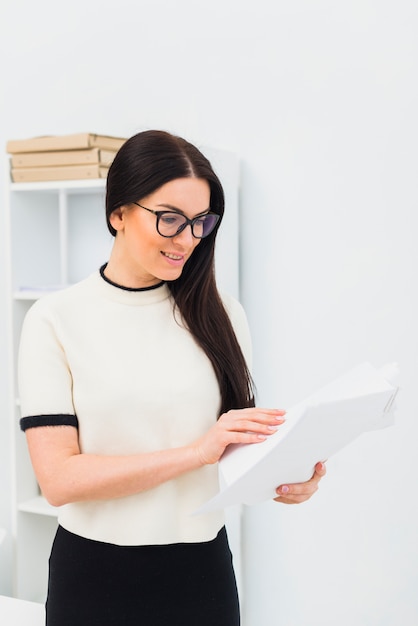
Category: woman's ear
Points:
column 116, row 218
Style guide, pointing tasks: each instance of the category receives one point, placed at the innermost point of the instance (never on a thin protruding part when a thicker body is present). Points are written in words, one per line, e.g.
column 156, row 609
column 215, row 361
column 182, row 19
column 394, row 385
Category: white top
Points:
column 137, row 382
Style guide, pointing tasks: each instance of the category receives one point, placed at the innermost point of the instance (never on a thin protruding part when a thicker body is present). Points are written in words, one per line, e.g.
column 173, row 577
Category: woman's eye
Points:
column 169, row 220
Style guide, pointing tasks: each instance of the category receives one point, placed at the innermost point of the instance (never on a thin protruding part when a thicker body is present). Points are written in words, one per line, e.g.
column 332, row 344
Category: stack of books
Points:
column 66, row 157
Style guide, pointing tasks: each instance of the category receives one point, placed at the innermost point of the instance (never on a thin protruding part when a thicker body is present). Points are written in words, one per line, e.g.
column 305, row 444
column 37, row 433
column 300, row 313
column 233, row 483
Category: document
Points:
column 315, row 429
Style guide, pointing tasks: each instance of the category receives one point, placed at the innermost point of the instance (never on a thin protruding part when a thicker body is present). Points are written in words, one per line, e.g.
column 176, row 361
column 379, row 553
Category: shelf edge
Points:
column 38, row 506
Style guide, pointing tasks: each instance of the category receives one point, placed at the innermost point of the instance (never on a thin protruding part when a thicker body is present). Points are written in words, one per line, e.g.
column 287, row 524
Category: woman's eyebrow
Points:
column 175, row 209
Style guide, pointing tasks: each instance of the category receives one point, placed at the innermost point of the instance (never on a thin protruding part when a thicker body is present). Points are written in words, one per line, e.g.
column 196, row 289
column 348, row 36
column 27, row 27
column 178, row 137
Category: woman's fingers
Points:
column 300, row 492
column 243, row 426
column 242, row 420
column 263, row 422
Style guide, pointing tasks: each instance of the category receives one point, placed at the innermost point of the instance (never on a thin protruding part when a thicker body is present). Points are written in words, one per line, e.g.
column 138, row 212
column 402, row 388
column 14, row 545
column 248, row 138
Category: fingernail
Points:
column 284, row 489
column 272, row 427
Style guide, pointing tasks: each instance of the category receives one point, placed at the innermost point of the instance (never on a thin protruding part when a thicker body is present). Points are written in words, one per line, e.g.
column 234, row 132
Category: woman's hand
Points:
column 251, row 425
column 300, row 492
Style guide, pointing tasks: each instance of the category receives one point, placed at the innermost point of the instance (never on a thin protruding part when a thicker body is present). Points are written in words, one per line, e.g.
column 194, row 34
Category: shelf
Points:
column 39, row 506
column 70, row 186
column 34, row 293
column 57, row 234
column 30, row 294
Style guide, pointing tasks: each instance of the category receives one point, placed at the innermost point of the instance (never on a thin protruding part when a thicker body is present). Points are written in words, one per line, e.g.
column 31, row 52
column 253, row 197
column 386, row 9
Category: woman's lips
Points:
column 173, row 259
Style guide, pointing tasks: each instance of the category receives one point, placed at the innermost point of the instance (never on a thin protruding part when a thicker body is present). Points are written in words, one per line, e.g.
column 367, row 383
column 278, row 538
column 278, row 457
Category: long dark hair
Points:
column 144, row 163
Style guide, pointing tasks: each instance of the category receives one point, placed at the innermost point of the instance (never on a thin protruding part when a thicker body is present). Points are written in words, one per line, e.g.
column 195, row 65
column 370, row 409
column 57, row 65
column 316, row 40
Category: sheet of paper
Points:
column 315, row 429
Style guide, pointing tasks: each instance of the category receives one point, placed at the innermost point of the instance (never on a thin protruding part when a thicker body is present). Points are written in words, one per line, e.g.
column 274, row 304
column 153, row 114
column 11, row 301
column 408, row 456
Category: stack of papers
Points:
column 362, row 400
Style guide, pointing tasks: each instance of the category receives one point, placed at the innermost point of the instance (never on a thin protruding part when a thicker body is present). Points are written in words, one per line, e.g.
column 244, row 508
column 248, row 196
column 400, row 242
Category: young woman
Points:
column 133, row 382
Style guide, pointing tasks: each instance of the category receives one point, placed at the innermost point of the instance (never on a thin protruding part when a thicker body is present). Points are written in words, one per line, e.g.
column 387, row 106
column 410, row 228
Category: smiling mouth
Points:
column 175, row 257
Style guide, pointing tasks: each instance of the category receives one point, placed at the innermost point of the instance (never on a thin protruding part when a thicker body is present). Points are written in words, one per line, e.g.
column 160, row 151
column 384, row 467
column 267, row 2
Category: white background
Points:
column 319, row 99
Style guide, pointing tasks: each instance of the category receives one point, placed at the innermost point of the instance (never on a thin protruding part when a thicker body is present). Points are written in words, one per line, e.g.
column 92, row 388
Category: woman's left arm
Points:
column 300, row 492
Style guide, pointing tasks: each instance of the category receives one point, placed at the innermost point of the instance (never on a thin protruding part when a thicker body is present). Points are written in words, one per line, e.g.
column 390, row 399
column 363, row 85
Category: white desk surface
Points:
column 15, row 612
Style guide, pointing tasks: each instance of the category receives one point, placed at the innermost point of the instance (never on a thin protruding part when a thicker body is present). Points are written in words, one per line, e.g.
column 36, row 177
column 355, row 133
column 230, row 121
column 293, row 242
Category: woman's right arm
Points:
column 65, row 474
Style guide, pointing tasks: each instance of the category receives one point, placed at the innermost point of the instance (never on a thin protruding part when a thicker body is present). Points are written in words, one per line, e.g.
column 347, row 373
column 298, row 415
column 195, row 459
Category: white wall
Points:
column 319, row 99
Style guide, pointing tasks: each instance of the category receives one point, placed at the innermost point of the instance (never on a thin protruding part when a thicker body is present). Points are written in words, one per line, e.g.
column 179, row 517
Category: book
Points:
column 63, row 172
column 89, row 156
column 77, row 141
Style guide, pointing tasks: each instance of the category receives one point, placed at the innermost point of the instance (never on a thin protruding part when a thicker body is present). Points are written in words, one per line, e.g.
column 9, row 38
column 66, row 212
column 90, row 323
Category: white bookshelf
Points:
column 58, row 236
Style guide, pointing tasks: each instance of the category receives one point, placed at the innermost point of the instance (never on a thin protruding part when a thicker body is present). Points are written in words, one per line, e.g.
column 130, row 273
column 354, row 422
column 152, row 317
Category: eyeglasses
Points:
column 170, row 224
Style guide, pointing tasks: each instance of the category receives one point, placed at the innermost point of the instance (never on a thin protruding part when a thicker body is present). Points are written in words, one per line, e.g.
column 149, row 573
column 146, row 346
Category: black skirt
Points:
column 187, row 584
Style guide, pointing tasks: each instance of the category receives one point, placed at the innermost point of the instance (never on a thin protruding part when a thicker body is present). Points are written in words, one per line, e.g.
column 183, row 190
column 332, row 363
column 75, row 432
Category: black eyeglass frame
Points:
column 186, row 223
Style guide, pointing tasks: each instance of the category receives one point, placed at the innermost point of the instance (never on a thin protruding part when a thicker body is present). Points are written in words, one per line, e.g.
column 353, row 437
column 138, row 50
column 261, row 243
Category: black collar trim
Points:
column 150, row 288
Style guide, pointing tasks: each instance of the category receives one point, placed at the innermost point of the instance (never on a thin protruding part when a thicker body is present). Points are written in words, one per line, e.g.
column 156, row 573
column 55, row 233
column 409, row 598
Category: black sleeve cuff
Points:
column 32, row 421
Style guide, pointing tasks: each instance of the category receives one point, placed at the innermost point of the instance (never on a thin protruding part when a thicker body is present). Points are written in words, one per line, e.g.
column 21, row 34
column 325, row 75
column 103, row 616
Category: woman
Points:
column 133, row 382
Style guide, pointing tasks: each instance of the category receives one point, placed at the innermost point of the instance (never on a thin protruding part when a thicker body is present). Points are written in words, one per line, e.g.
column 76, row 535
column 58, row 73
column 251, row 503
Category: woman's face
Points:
column 141, row 257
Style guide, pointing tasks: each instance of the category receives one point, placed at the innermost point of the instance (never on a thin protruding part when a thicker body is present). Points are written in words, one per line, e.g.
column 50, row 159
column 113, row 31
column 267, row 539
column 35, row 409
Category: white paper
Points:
column 361, row 400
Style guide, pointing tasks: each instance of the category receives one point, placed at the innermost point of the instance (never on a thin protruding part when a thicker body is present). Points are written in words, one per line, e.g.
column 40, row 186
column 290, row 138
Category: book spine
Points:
column 106, row 157
column 106, row 143
column 52, row 159
column 45, row 144
column 65, row 142
column 38, row 174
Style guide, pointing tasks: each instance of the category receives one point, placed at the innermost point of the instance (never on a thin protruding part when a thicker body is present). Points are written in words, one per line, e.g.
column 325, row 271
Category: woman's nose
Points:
column 186, row 236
